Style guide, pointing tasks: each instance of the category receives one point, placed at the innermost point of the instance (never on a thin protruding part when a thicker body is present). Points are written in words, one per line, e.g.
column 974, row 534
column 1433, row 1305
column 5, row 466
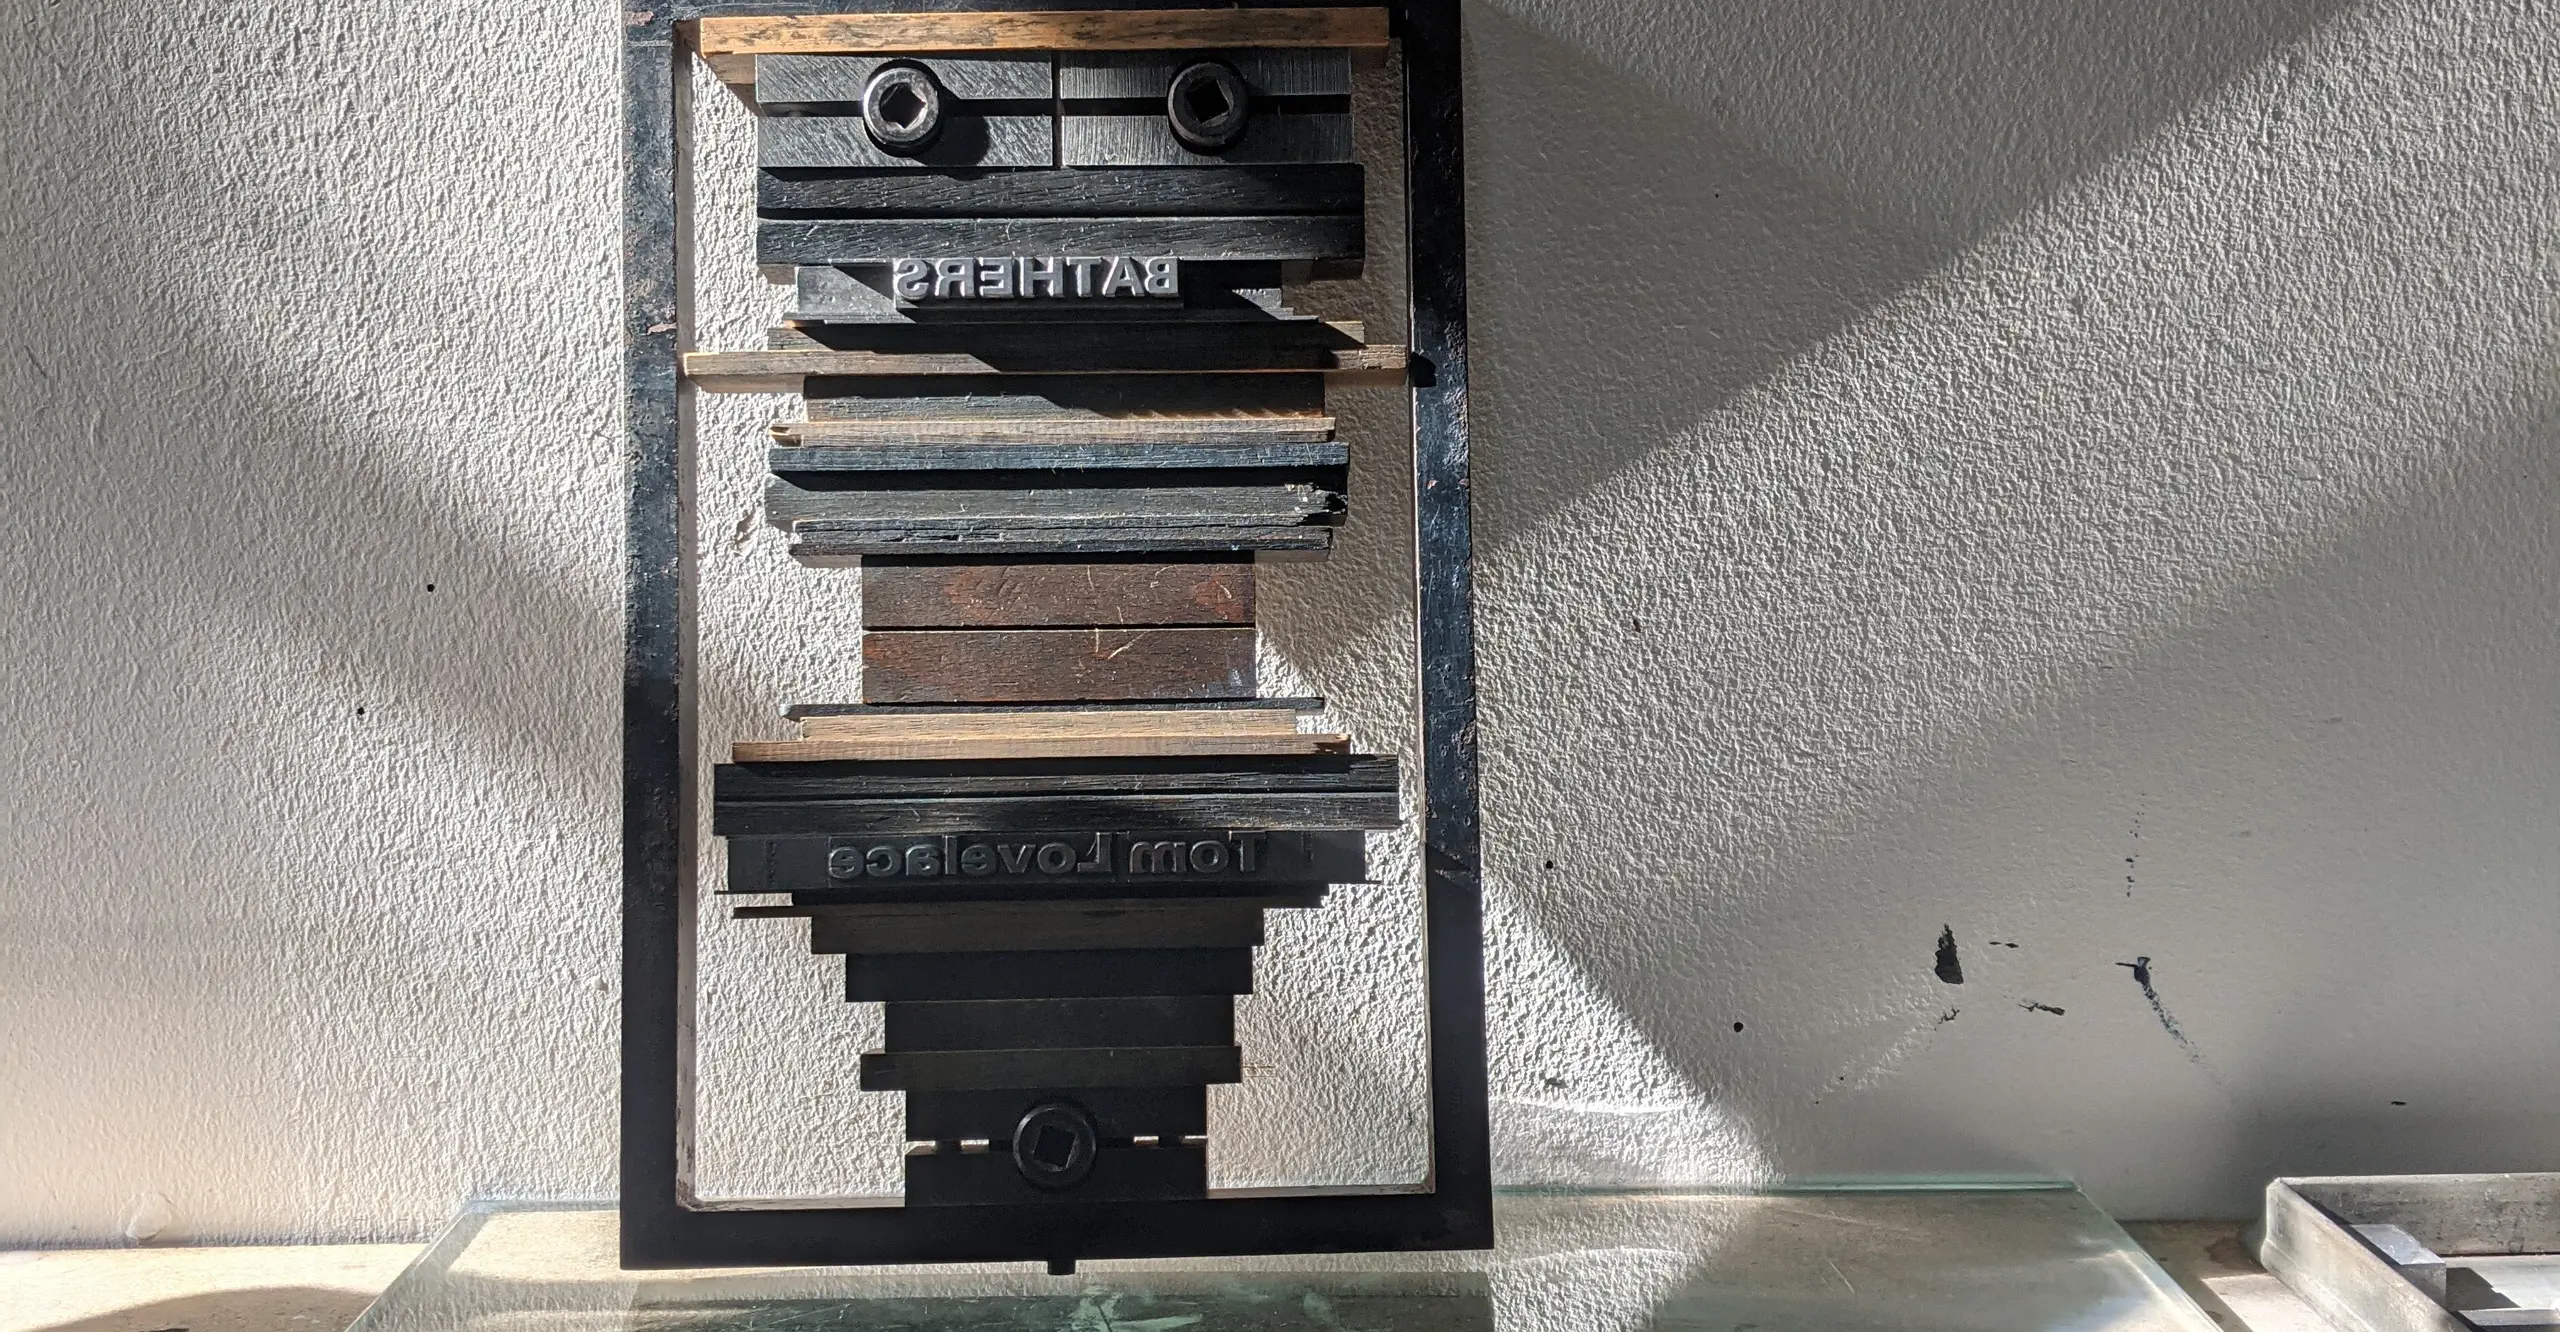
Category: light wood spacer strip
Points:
column 722, row 37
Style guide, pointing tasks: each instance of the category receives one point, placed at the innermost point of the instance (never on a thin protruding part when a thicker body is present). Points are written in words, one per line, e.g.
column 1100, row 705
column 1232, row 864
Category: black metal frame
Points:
column 661, row 1225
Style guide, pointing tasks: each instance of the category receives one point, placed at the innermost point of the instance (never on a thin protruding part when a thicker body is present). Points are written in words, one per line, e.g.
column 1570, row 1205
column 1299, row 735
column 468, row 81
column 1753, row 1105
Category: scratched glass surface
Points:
column 1847, row 1260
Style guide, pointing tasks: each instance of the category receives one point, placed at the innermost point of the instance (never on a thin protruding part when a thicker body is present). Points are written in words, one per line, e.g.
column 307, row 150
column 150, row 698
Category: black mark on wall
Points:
column 2141, row 969
column 1950, row 967
column 2033, row 1007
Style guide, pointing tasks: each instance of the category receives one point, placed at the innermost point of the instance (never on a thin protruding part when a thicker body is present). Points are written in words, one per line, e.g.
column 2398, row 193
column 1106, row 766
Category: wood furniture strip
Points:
column 784, row 371
column 1084, row 973
column 973, row 596
column 1013, row 747
column 976, row 927
column 1065, row 398
column 1036, row 30
column 1138, row 192
column 1269, row 238
column 1132, row 430
column 1202, row 723
column 1055, row 665
column 787, row 505
column 1123, row 1066
column 849, row 781
column 1060, row 455
column 1064, row 814
column 1019, row 1024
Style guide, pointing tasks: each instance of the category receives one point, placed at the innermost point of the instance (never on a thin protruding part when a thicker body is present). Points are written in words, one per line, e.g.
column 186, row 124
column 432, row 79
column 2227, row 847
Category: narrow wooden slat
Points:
column 1065, row 814
column 1037, row 30
column 1065, row 399
column 1055, row 665
column 788, row 505
column 1026, row 747
column 1092, row 192
column 804, row 711
column 1203, row 723
column 1275, row 237
column 846, row 781
column 1082, row 595
column 1107, row 1066
column 1057, row 456
column 1008, row 343
column 783, row 371
column 830, row 544
column 1137, row 430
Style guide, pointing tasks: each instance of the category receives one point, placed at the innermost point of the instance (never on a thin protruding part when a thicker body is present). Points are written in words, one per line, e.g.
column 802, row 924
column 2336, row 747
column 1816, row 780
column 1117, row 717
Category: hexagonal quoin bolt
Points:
column 1208, row 104
column 1054, row 1144
column 902, row 109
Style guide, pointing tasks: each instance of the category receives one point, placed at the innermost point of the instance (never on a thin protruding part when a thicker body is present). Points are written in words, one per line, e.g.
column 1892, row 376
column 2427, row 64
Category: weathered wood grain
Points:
column 1037, row 30
column 996, row 711
column 1031, row 1024
column 1104, row 1066
column 1056, row 456
column 1335, row 188
column 1029, row 746
column 1080, row 430
column 1145, row 75
column 1357, row 772
column 1095, row 973
column 832, row 545
column 1018, row 927
column 1060, row 595
column 964, row 400
column 787, row 505
column 785, row 371
column 1055, row 665
column 965, row 141
column 1098, row 140
column 906, row 724
column 1013, row 343
column 1272, row 238
column 838, row 80
column 1120, row 1113
column 927, row 815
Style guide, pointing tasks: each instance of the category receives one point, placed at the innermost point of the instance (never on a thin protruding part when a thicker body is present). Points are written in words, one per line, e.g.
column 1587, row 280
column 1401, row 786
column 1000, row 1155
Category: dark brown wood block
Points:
column 970, row 596
column 1055, row 665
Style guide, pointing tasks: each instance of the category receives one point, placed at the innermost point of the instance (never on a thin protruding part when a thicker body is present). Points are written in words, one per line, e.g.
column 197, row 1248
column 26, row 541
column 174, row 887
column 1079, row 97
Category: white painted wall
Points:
column 2077, row 477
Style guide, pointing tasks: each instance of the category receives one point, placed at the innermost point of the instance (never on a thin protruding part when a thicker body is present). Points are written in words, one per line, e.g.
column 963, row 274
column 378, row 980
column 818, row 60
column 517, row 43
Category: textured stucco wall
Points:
column 2079, row 479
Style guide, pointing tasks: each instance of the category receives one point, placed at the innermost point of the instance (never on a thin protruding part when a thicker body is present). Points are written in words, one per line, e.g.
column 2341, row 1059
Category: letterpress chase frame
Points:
column 662, row 1224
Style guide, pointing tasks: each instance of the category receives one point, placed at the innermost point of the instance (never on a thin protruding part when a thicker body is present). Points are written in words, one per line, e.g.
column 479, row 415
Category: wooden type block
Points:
column 1094, row 973
column 1033, row 927
column 824, row 294
column 1339, row 811
column 1144, row 76
column 1109, row 1066
column 1055, row 665
column 1120, row 1174
column 1276, row 238
column 961, row 402
column 1058, row 455
column 1148, row 141
column 786, row 142
column 1097, row 864
column 852, row 781
column 838, row 80
column 1226, row 191
column 1036, row 30
column 1030, row 1024
column 1119, row 1113
column 1127, row 432
column 1081, row 594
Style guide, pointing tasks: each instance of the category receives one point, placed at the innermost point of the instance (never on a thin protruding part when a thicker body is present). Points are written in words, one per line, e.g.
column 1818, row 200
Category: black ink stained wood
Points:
column 1012, row 344
column 853, row 781
column 985, row 866
column 979, row 929
column 1094, row 973
column 965, row 141
column 1120, row 1113
column 1060, row 595
column 1012, row 1024
column 966, row 1185
column 1060, row 813
column 788, row 505
column 1055, row 665
column 987, row 1070
column 784, row 371
column 827, row 544
column 788, row 82
column 1134, row 435
column 1335, row 188
column 1233, row 401
column 1144, row 76
column 1277, row 238
column 1147, row 140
